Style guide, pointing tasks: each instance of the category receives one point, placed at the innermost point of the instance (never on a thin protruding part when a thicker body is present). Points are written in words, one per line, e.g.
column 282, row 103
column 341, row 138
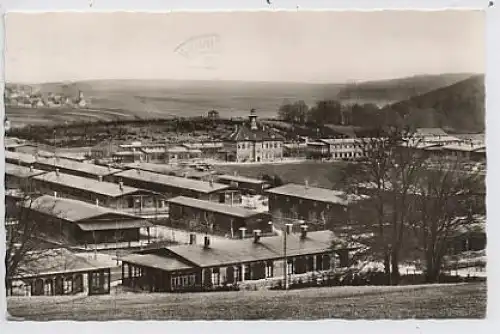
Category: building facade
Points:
column 112, row 195
column 215, row 218
column 58, row 272
column 253, row 143
column 20, row 177
column 171, row 186
column 321, row 208
column 245, row 185
column 345, row 148
column 79, row 223
column 196, row 267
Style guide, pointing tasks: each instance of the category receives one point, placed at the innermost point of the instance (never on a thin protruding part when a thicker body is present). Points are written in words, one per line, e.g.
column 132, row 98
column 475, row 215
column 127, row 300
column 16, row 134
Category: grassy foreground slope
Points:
column 431, row 301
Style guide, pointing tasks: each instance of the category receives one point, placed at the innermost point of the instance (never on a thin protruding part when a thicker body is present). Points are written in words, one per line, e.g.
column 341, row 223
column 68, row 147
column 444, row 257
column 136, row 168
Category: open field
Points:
column 146, row 99
column 319, row 174
column 49, row 116
column 131, row 99
column 430, row 301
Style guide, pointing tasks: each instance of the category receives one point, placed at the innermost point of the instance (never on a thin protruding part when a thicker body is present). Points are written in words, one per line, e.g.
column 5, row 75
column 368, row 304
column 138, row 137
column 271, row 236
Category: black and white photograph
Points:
column 258, row 165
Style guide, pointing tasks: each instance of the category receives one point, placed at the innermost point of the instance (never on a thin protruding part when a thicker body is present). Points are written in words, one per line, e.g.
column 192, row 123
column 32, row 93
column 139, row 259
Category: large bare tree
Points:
column 446, row 200
column 386, row 173
column 25, row 237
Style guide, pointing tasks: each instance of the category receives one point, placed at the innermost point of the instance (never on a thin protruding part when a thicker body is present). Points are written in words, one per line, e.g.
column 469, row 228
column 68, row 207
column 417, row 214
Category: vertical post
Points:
column 95, row 246
column 285, row 258
column 108, row 273
column 116, row 240
column 123, row 273
column 54, row 157
column 285, row 271
column 232, row 229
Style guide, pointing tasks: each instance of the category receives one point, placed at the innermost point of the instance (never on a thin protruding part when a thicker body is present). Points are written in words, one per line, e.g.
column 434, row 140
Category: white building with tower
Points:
column 252, row 142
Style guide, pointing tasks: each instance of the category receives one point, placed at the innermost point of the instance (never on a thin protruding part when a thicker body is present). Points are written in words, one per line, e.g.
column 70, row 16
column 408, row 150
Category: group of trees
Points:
column 411, row 210
column 355, row 114
column 332, row 112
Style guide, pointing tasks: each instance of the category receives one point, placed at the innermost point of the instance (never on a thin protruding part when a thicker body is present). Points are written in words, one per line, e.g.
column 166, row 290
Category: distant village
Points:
column 158, row 217
column 27, row 97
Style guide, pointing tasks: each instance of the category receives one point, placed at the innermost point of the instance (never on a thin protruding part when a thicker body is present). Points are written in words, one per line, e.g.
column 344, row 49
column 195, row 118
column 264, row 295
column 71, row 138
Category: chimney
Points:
column 235, row 173
column 242, row 232
column 211, row 182
column 256, row 236
column 99, row 178
column 192, row 238
column 306, row 183
column 120, row 184
column 303, row 231
column 109, row 167
column 97, row 202
column 206, row 244
column 57, row 171
column 55, row 194
column 31, row 168
column 288, row 228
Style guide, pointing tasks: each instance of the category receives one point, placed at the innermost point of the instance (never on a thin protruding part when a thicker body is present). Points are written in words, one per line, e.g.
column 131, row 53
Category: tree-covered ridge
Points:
column 459, row 107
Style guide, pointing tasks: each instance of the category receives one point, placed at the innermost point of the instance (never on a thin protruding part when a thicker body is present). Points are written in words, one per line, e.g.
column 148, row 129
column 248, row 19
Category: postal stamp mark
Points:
column 201, row 51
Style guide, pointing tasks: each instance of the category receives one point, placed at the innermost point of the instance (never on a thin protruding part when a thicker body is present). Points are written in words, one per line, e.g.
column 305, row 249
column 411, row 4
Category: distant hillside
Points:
column 161, row 99
column 164, row 98
column 460, row 106
column 398, row 89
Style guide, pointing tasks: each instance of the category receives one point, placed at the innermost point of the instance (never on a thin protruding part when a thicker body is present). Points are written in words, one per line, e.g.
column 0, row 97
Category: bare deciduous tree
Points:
column 24, row 232
column 386, row 173
column 445, row 197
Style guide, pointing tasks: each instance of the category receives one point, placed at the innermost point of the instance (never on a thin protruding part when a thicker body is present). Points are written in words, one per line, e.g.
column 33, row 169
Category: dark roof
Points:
column 150, row 167
column 311, row 193
column 70, row 209
column 87, row 168
column 213, row 207
column 20, row 157
column 62, row 163
column 227, row 252
column 316, row 143
column 156, row 261
column 471, row 136
column 21, row 171
column 431, row 132
column 172, row 181
column 115, row 225
column 464, row 148
column 238, row 178
column 90, row 185
column 202, row 145
column 10, row 142
column 245, row 133
column 56, row 261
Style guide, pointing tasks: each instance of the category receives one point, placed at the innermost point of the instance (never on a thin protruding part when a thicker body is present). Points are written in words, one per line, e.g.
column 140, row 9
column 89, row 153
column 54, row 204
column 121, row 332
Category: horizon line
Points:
column 346, row 82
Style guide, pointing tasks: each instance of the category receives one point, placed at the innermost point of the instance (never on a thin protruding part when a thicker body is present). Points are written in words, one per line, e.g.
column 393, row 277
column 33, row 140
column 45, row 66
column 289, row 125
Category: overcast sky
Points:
column 261, row 46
